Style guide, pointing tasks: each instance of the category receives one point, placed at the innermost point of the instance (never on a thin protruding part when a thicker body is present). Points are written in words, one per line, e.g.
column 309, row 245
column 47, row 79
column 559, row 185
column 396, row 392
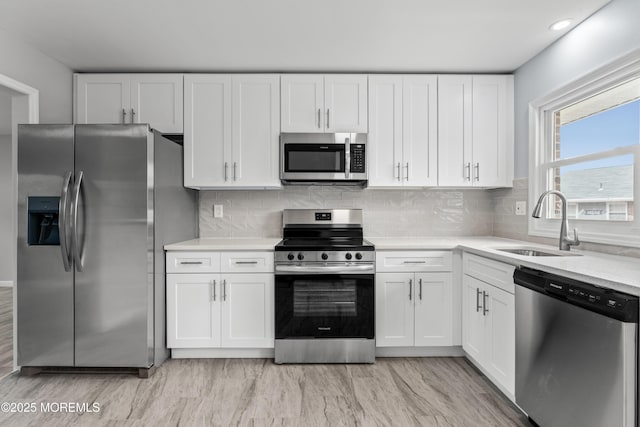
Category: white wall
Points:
column 54, row 80
column 608, row 34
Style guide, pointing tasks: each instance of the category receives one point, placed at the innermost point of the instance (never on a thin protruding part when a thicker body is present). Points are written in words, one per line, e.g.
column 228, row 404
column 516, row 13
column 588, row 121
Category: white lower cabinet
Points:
column 488, row 322
column 221, row 310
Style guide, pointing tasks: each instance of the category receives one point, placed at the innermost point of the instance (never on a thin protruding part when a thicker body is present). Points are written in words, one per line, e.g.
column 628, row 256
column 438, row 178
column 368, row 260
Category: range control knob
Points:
column 300, row 257
column 348, row 256
column 325, row 257
column 290, row 257
column 358, row 255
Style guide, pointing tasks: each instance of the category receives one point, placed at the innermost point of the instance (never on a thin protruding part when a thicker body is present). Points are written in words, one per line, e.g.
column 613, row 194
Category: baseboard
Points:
column 222, row 353
column 6, row 284
column 454, row 351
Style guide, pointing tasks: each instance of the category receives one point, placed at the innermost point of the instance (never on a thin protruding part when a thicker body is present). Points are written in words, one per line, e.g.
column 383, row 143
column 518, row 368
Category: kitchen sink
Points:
column 536, row 252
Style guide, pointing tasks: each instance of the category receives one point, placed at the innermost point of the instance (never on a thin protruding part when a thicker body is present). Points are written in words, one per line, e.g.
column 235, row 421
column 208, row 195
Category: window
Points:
column 585, row 142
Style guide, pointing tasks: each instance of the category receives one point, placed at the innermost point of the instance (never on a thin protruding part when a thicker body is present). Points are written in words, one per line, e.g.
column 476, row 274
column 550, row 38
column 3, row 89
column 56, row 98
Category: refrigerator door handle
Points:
column 62, row 222
column 74, row 217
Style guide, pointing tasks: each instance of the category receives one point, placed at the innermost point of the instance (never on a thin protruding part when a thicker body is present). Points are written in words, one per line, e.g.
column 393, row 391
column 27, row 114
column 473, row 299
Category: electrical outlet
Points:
column 521, row 208
column 217, row 211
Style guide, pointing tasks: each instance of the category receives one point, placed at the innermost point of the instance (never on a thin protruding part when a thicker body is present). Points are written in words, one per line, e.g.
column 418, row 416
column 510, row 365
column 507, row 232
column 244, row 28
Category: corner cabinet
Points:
column 488, row 318
column 220, row 300
column 475, row 128
column 414, row 299
column 231, row 132
column 403, row 135
column 156, row 99
column 317, row 103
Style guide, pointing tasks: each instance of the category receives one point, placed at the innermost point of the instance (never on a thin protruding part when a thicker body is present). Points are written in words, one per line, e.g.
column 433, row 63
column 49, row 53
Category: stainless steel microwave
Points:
column 323, row 158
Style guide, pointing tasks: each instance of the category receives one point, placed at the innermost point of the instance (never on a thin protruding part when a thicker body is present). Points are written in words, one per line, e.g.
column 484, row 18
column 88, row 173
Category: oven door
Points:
column 313, row 161
column 325, row 306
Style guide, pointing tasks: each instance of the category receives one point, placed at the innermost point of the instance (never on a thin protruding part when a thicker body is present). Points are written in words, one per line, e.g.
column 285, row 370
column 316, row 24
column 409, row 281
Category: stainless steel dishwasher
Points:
column 576, row 352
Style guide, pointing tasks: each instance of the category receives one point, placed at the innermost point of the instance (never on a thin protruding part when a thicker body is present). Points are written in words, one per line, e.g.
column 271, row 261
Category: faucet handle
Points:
column 575, row 241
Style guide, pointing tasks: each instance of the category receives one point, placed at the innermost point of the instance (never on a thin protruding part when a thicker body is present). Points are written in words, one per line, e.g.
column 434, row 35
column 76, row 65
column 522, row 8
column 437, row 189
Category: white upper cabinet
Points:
column 231, row 130
column 403, row 137
column 156, row 99
column 316, row 103
column 475, row 130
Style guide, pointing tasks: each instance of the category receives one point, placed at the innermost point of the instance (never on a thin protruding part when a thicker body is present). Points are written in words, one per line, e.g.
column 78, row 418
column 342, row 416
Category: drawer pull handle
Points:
column 190, row 262
column 246, row 262
column 414, row 262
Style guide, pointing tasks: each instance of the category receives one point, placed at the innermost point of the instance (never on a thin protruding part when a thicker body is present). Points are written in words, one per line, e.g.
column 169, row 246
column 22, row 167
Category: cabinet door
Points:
column 302, row 101
column 492, row 132
column 420, row 131
column 255, row 130
column 500, row 347
column 454, row 131
column 247, row 310
column 102, row 98
column 384, row 144
column 394, row 309
column 473, row 320
column 207, row 130
column 157, row 99
column 345, row 103
column 434, row 309
column 193, row 310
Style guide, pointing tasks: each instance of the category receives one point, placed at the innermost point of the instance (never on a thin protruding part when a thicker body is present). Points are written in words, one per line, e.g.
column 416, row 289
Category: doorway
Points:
column 18, row 104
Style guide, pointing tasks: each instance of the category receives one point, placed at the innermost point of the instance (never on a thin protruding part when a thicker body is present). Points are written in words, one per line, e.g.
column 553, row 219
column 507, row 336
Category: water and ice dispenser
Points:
column 43, row 215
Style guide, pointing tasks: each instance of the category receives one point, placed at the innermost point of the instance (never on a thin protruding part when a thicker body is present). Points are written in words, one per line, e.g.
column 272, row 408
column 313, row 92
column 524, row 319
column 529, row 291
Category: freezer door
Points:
column 44, row 288
column 112, row 216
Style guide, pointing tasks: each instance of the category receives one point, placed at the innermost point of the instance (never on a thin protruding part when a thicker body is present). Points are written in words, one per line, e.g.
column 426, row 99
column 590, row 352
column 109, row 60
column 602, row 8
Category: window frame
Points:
column 541, row 134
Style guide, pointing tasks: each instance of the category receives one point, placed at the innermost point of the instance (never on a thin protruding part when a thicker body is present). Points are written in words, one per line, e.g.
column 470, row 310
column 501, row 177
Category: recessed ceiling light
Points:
column 560, row 25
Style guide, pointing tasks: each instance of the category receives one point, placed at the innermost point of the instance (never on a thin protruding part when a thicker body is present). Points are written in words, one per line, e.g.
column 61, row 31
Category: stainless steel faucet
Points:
column 565, row 242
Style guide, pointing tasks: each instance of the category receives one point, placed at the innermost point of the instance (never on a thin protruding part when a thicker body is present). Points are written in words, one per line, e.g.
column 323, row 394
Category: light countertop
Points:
column 225, row 244
column 611, row 271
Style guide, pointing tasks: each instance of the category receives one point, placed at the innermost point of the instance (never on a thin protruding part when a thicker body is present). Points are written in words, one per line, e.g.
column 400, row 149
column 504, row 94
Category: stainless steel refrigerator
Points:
column 96, row 204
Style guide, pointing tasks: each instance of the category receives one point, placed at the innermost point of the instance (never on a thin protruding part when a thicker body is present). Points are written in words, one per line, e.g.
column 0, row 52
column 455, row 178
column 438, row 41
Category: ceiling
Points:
column 292, row 35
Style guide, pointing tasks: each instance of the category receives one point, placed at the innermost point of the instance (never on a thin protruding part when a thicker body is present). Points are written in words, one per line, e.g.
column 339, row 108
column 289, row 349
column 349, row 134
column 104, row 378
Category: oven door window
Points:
column 314, row 158
column 325, row 306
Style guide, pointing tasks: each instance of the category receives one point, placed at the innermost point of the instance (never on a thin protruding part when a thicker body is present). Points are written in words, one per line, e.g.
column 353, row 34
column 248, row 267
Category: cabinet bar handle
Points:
column 478, row 306
column 398, row 167
column 406, row 177
column 133, row 113
column 414, row 262
column 485, row 310
column 124, row 116
column 319, row 113
column 213, row 286
column 410, row 286
column 226, row 170
column 467, row 174
column 224, row 290
column 420, row 282
column 190, row 262
column 235, row 167
column 327, row 118
column 477, row 168
column 246, row 262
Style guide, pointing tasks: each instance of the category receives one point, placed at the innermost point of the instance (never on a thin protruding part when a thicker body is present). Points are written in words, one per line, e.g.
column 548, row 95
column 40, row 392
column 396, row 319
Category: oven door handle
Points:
column 326, row 269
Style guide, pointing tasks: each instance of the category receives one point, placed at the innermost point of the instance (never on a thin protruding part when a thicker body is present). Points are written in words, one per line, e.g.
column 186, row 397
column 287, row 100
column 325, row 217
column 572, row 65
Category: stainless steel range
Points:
column 325, row 295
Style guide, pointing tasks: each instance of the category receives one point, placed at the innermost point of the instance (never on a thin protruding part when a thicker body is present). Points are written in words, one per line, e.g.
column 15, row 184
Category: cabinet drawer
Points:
column 193, row 262
column 398, row 261
column 247, row 262
column 489, row 271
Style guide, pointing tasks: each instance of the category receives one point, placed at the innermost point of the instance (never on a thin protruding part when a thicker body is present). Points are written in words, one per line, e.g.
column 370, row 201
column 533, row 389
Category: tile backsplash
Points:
column 403, row 213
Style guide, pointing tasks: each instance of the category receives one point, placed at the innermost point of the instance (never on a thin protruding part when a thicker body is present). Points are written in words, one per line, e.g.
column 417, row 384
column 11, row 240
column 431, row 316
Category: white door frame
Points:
column 32, row 116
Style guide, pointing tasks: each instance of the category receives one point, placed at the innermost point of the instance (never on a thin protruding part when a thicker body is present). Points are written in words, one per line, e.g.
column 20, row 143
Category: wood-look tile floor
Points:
column 6, row 330
column 256, row 392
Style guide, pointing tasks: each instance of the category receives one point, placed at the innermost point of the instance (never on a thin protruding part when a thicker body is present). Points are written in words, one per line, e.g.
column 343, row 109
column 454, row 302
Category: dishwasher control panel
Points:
column 605, row 301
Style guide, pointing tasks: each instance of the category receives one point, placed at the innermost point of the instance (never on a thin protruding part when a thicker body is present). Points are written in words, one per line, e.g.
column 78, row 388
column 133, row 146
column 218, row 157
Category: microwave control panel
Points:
column 357, row 158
